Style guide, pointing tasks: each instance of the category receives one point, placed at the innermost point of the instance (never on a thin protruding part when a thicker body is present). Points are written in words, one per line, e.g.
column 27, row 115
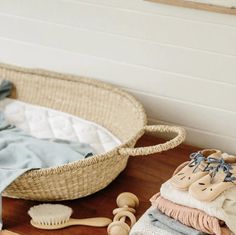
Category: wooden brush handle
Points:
column 6, row 232
column 95, row 222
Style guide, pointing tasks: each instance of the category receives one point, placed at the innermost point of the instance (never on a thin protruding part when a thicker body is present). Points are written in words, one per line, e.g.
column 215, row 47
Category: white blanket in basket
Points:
column 43, row 122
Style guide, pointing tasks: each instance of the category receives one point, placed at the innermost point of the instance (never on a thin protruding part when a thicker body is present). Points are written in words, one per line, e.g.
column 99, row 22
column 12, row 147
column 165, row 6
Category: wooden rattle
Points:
column 126, row 203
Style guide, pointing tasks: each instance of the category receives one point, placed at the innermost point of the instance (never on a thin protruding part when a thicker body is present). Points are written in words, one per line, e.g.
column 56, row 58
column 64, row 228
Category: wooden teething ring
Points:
column 126, row 214
column 126, row 203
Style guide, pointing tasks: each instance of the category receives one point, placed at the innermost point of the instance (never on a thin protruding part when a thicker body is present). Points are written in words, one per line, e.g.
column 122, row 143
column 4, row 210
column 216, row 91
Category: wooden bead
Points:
column 127, row 199
column 118, row 228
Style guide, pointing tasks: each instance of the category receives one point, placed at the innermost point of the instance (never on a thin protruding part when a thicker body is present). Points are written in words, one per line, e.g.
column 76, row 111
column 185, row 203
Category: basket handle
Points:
column 159, row 147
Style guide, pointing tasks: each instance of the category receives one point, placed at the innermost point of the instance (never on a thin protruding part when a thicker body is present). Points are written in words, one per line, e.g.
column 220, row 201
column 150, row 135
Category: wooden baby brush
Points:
column 127, row 202
column 57, row 216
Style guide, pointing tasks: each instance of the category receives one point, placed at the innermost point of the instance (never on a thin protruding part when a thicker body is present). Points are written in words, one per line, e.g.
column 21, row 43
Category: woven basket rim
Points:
column 89, row 81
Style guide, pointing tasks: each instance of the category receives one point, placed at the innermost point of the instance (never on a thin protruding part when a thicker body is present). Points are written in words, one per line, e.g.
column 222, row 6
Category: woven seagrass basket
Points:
column 96, row 101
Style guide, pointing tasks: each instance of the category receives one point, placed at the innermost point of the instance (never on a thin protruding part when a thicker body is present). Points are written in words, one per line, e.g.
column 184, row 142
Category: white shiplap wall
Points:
column 180, row 63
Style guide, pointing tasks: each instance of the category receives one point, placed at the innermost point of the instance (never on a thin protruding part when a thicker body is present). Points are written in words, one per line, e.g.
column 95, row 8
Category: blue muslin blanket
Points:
column 171, row 225
column 20, row 152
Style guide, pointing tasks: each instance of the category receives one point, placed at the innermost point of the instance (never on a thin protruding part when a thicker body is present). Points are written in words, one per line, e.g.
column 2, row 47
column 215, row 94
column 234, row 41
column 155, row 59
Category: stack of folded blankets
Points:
column 199, row 199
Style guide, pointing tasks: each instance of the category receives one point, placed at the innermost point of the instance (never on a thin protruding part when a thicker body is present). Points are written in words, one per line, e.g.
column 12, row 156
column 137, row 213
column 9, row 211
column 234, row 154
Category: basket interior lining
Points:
column 46, row 123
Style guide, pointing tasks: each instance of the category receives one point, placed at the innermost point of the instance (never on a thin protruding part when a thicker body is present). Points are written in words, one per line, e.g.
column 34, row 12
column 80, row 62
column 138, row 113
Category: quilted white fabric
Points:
column 43, row 122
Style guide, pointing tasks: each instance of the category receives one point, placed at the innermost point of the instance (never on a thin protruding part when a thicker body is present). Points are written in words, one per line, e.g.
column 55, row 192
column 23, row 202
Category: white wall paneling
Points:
column 122, row 49
column 189, row 114
column 180, row 63
column 126, row 23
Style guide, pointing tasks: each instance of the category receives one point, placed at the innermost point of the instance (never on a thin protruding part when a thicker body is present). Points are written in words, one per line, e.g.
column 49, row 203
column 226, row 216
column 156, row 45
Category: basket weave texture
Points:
column 95, row 101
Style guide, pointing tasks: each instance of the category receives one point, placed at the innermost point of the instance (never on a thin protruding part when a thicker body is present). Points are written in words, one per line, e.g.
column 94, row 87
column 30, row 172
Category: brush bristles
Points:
column 50, row 214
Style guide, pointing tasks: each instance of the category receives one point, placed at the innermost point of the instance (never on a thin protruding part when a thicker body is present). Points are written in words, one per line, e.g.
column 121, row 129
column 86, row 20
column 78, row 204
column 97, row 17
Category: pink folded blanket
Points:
column 191, row 217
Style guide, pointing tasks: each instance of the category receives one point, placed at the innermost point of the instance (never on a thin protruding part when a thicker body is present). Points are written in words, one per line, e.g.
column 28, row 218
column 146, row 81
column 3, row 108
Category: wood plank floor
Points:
column 143, row 177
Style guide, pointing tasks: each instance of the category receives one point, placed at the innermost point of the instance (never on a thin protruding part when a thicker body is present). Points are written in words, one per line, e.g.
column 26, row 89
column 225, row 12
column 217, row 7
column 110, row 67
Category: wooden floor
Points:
column 143, row 177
